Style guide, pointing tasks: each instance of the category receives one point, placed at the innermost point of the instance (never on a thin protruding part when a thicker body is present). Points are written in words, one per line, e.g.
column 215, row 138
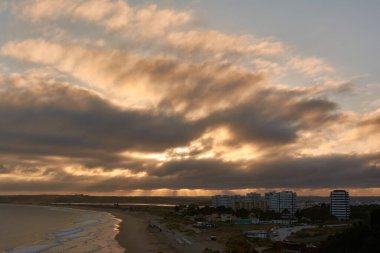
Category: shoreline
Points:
column 141, row 231
column 54, row 228
column 133, row 233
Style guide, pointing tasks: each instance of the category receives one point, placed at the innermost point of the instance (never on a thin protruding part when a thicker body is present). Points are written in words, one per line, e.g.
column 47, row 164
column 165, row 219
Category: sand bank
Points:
column 136, row 236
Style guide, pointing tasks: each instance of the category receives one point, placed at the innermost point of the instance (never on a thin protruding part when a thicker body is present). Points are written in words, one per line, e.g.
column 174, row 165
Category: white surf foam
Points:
column 33, row 249
column 93, row 231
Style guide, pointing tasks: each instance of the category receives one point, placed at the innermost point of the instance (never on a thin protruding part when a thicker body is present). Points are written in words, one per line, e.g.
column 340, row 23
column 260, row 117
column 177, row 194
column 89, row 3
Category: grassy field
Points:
column 314, row 235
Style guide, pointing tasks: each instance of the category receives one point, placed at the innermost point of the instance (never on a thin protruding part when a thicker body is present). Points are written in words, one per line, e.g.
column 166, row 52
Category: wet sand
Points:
column 37, row 228
column 135, row 236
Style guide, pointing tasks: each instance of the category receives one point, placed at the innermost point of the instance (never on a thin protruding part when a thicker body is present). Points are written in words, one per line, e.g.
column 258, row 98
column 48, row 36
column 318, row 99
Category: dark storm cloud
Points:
column 331, row 171
column 309, row 172
column 61, row 120
column 58, row 181
column 38, row 118
column 273, row 117
column 328, row 171
column 211, row 94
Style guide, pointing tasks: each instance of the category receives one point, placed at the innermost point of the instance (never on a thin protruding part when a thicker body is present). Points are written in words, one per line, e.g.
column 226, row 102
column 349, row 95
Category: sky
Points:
column 113, row 97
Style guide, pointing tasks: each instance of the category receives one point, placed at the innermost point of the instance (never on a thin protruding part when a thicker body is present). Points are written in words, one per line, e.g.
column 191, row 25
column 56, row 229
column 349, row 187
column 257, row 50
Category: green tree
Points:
column 317, row 214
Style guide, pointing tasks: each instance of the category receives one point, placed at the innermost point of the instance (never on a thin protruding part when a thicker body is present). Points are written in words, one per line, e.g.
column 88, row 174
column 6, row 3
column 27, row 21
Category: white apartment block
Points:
column 249, row 201
column 280, row 201
column 222, row 200
column 340, row 204
column 253, row 197
column 276, row 201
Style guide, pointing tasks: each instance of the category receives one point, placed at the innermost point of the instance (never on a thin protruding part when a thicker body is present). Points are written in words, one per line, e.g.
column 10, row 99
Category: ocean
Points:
column 32, row 229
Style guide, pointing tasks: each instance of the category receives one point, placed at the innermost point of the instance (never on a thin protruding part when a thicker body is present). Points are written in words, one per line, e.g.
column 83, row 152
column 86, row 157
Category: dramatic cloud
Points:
column 103, row 96
column 273, row 173
column 40, row 116
column 144, row 80
column 169, row 30
column 275, row 117
column 316, row 172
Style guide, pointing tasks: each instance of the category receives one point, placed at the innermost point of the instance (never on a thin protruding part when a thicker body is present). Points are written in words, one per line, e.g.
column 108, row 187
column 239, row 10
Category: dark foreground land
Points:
column 166, row 225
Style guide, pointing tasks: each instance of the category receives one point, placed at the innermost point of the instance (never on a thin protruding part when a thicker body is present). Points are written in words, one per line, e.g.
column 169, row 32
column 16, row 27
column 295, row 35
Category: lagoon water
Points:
column 32, row 229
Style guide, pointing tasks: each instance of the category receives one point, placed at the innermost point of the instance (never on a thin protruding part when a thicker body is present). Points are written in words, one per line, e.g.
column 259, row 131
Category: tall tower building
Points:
column 222, row 200
column 340, row 204
column 280, row 201
column 288, row 201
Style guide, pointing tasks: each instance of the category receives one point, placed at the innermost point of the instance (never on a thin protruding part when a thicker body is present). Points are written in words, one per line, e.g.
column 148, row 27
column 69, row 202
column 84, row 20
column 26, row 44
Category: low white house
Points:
column 227, row 217
column 262, row 234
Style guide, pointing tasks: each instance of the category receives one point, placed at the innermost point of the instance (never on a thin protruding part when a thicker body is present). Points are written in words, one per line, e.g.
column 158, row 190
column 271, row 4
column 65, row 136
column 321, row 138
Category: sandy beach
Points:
column 136, row 236
column 41, row 228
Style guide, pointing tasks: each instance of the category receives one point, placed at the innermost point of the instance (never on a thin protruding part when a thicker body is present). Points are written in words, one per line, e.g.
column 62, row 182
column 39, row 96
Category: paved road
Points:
column 283, row 233
column 182, row 243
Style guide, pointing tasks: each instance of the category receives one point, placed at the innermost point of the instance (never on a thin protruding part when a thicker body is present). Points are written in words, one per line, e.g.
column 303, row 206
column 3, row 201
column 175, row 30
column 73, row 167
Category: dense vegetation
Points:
column 363, row 236
column 362, row 212
column 194, row 210
column 316, row 214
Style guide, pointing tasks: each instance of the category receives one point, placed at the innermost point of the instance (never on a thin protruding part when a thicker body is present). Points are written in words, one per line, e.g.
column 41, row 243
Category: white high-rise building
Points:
column 280, row 201
column 276, row 201
column 340, row 204
column 253, row 197
column 222, row 200
column 269, row 199
column 252, row 200
column 288, row 201
column 249, row 201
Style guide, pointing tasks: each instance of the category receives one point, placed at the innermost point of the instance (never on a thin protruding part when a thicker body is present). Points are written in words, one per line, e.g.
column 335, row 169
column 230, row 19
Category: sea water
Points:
column 32, row 229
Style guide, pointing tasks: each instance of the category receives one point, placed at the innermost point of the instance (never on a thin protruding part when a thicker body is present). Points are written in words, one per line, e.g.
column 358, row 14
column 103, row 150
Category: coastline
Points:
column 135, row 235
column 142, row 229
column 50, row 228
